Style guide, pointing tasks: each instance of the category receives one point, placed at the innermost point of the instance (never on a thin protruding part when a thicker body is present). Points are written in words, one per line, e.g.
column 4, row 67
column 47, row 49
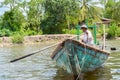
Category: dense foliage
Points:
column 57, row 14
column 31, row 17
column 12, row 20
column 112, row 10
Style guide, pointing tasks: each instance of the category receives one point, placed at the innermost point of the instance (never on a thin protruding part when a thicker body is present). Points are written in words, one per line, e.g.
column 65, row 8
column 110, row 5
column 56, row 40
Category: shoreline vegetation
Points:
column 8, row 41
column 26, row 18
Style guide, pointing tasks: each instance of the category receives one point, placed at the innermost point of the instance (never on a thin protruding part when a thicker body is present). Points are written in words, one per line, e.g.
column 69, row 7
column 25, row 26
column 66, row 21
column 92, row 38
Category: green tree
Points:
column 71, row 10
column 10, row 3
column 112, row 10
column 88, row 9
column 116, row 12
column 32, row 11
column 109, row 9
column 112, row 32
column 12, row 20
column 57, row 14
column 34, row 15
column 0, row 21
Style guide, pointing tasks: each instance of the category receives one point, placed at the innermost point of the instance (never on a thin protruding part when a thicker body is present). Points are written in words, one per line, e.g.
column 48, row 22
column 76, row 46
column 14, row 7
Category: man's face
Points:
column 83, row 29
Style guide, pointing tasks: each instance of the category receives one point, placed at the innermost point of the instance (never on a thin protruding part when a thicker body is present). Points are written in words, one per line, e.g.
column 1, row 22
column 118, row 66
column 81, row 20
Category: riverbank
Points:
column 7, row 41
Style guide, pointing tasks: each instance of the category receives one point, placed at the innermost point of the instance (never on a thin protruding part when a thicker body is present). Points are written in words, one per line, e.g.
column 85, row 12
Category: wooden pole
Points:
column 22, row 57
column 33, row 53
column 78, row 31
column 94, row 29
column 104, row 37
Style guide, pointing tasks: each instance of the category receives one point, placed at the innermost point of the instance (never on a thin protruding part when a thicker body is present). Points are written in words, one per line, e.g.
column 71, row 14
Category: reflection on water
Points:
column 41, row 67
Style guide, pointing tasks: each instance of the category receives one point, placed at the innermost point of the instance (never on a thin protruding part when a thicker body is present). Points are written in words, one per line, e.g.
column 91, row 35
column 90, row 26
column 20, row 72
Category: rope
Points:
column 68, row 58
column 78, row 63
column 69, row 50
column 83, row 61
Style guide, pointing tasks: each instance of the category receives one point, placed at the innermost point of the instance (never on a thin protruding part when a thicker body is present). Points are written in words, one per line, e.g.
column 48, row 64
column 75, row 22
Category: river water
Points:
column 41, row 67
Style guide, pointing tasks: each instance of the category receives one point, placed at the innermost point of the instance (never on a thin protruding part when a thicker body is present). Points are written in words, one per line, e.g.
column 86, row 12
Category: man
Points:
column 87, row 37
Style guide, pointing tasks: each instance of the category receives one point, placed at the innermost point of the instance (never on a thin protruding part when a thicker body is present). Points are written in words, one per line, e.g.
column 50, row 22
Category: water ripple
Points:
column 41, row 67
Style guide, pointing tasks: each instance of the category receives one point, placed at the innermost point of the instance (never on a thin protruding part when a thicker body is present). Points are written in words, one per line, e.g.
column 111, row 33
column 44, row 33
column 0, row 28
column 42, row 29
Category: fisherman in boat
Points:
column 86, row 37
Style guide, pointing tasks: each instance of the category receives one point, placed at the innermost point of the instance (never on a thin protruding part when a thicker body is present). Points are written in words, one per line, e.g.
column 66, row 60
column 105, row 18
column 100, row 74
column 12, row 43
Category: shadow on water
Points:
column 102, row 73
column 63, row 75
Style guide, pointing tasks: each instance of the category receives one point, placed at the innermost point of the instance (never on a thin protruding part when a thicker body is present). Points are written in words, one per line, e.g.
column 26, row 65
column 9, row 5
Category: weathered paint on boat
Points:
column 76, row 57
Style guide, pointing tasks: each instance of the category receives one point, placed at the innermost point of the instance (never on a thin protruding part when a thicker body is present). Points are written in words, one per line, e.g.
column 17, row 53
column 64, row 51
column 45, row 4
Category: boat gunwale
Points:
column 91, row 47
column 61, row 45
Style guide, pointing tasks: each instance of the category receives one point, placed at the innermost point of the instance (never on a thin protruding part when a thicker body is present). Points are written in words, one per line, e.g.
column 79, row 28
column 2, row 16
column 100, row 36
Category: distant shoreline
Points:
column 7, row 41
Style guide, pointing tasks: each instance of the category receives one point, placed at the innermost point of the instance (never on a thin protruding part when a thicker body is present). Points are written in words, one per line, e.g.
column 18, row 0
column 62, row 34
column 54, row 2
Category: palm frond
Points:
column 88, row 10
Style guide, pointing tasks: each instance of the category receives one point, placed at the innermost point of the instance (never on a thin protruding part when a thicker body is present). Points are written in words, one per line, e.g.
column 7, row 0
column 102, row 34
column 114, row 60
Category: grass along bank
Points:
column 17, row 39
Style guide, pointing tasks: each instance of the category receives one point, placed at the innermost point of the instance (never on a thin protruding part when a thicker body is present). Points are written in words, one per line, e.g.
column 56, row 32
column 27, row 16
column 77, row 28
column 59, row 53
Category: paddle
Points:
column 37, row 51
column 22, row 57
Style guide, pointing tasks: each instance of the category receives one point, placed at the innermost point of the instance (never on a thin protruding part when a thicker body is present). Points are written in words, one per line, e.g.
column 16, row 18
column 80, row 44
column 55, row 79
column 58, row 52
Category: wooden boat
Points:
column 77, row 57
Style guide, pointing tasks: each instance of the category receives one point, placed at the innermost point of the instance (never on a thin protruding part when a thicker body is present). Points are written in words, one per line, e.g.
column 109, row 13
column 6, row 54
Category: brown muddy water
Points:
column 41, row 67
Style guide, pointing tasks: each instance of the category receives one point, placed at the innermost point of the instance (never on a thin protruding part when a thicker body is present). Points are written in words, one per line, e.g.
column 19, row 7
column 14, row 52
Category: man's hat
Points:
column 84, row 26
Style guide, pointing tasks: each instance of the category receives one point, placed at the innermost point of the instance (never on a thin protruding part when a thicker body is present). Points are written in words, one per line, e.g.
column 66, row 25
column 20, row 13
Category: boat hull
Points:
column 76, row 57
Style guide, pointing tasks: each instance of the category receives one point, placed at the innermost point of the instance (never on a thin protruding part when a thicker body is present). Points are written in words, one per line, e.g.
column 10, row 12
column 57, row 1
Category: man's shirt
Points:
column 87, row 38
